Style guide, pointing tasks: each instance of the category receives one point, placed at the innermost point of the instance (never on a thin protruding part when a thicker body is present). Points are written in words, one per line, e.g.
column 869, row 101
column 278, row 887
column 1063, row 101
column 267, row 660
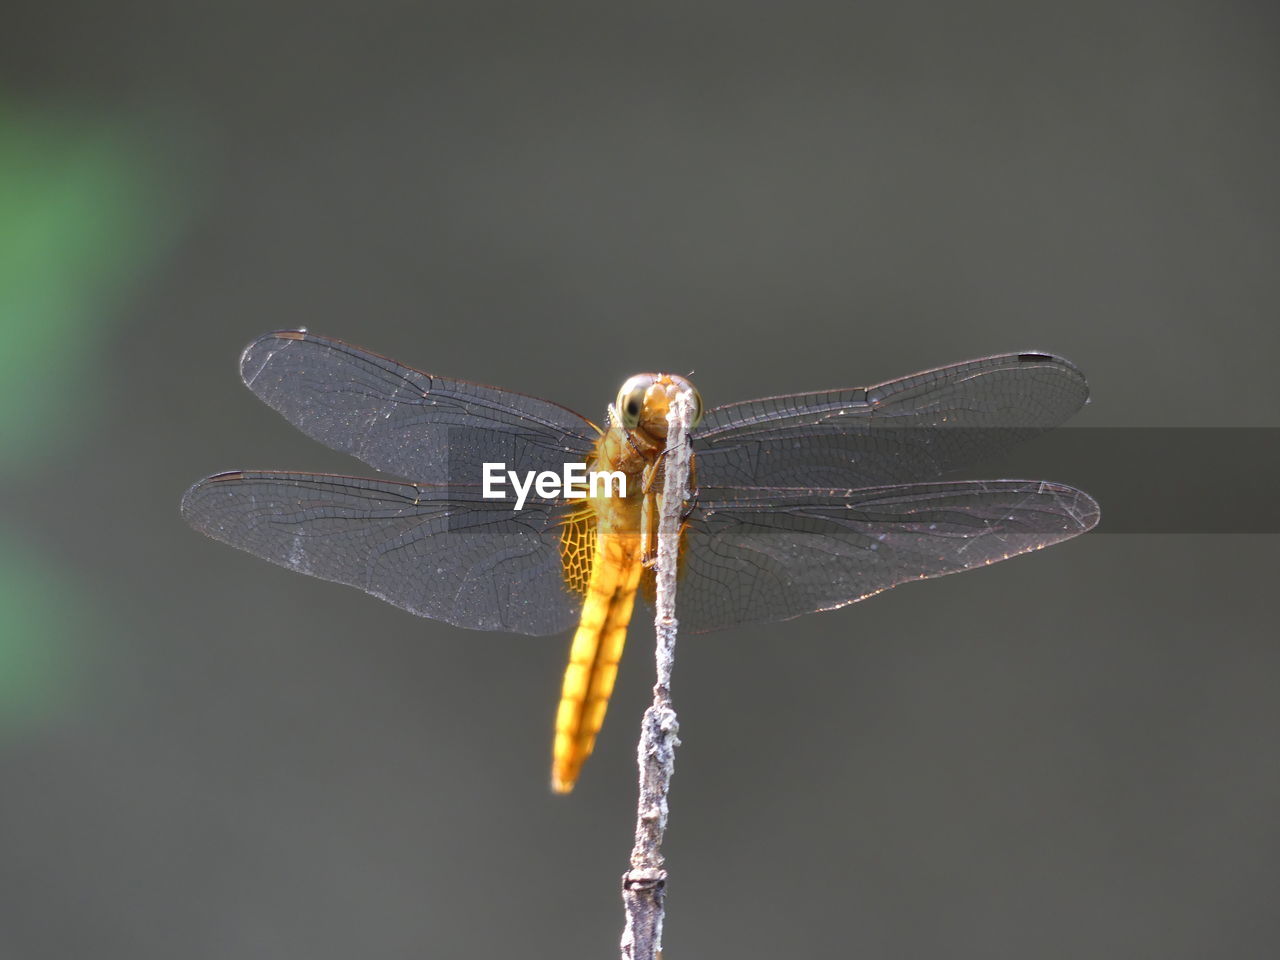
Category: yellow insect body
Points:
column 621, row 544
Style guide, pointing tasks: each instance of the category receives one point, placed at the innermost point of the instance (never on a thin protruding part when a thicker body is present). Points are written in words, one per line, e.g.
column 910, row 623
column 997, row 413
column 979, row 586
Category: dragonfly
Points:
column 800, row 503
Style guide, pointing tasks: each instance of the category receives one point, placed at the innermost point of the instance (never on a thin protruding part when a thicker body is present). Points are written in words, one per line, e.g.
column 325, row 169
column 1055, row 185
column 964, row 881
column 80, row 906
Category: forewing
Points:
column 912, row 429
column 755, row 556
column 438, row 552
column 424, row 428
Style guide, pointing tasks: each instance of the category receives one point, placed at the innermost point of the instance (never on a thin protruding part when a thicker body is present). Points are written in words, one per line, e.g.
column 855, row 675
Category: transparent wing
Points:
column 912, row 429
column 439, row 552
column 759, row 555
column 421, row 427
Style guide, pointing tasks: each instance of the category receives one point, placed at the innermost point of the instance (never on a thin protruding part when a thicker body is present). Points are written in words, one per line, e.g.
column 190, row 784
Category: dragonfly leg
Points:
column 649, row 520
column 690, row 506
column 648, row 517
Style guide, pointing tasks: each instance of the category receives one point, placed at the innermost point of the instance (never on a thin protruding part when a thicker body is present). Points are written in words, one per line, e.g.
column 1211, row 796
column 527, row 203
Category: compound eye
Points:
column 697, row 405
column 684, row 384
column 631, row 400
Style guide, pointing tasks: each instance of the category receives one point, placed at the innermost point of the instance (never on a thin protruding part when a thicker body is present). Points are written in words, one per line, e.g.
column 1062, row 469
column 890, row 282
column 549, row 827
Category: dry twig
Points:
column 642, row 885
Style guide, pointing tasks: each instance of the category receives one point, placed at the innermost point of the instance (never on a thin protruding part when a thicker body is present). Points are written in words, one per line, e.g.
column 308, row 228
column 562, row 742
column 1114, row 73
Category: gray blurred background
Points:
column 204, row 756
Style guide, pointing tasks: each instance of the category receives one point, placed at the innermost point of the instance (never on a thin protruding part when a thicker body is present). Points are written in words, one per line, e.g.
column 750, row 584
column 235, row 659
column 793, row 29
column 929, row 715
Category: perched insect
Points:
column 802, row 503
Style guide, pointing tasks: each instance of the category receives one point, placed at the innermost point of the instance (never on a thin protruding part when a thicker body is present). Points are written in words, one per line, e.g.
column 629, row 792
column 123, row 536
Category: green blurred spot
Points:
column 37, row 637
column 80, row 217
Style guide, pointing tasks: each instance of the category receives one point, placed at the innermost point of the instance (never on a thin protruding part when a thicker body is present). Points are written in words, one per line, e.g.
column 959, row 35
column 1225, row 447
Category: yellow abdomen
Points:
column 597, row 648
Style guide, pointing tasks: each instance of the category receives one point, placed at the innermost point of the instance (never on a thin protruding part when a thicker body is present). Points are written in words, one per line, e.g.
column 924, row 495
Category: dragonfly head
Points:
column 644, row 400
